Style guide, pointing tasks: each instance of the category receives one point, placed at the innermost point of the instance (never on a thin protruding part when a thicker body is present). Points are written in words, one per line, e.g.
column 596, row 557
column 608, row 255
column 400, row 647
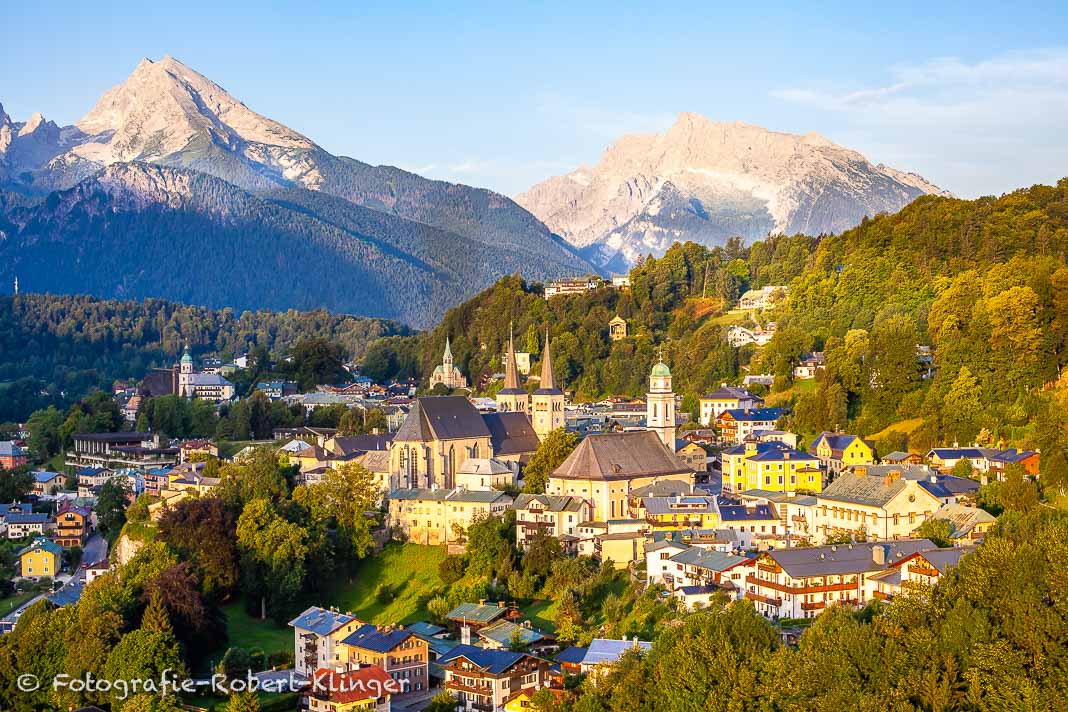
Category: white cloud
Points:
column 974, row 127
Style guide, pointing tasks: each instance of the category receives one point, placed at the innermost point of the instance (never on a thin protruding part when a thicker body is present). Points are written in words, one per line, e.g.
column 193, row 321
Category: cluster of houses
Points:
column 578, row 285
column 485, row 655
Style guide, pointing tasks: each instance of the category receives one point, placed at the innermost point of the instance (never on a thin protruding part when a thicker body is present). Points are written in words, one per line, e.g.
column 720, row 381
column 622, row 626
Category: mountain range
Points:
column 706, row 182
column 170, row 187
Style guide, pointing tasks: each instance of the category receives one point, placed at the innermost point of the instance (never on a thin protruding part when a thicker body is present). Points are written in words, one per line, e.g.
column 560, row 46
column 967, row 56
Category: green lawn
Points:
column 9, row 604
column 248, row 632
column 411, row 570
column 541, row 615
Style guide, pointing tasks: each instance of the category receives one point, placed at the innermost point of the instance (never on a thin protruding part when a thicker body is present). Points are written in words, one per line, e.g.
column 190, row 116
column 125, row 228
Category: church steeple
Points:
column 512, row 398
column 447, row 357
column 547, row 404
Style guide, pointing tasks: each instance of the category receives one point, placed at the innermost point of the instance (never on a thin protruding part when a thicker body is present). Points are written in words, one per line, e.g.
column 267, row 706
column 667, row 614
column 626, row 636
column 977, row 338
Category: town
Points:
column 722, row 504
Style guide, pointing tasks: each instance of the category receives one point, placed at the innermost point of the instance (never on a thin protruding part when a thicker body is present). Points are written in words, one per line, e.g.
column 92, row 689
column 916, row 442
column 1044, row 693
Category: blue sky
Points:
column 974, row 96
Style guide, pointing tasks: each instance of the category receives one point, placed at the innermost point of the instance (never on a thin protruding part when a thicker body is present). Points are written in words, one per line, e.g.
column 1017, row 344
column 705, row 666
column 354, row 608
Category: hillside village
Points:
column 728, row 507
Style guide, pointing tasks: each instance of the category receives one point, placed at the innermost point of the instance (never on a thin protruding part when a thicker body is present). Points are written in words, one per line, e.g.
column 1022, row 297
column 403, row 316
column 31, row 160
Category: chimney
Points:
column 878, row 554
column 465, row 635
column 482, row 601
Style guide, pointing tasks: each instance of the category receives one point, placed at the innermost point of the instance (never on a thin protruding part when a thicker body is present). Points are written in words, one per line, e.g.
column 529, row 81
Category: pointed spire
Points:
column 448, row 348
column 511, row 370
column 548, row 378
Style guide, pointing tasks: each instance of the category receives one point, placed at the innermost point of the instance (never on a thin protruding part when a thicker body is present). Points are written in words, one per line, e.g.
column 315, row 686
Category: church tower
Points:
column 547, row 404
column 660, row 404
column 185, row 375
column 513, row 398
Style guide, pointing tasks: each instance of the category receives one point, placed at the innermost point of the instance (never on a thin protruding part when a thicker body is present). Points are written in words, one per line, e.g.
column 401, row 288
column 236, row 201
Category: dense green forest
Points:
column 54, row 349
column 137, row 231
column 982, row 282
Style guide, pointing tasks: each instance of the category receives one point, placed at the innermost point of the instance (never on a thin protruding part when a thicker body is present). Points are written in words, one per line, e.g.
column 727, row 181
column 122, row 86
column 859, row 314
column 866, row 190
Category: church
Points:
column 545, row 406
column 447, row 374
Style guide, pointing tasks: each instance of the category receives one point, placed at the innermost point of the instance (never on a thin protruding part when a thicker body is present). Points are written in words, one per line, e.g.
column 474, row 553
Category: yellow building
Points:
column 838, row 451
column 436, row 516
column 726, row 398
column 41, row 558
column 771, row 466
column 873, row 507
column 605, row 468
column 690, row 511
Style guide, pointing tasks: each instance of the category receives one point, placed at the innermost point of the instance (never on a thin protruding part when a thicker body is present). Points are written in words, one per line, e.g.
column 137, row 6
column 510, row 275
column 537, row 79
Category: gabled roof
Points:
column 620, row 456
column 363, row 443
column 501, row 632
column 424, row 629
column 963, row 519
column 754, row 414
column 494, row 662
column 68, row 595
column 897, row 456
column 511, row 433
column 442, row 418
column 690, row 504
column 956, row 453
column 371, row 637
column 9, row 449
column 571, row 655
column 550, row 502
column 42, row 543
column 607, row 650
column 837, row 442
column 375, row 460
column 732, row 393
column 1013, row 456
column 708, row 559
column 662, row 488
column 43, row 476
column 781, row 454
column 837, row 559
column 32, row 518
column 940, row 559
column 741, row 512
column 476, row 612
column 321, row 621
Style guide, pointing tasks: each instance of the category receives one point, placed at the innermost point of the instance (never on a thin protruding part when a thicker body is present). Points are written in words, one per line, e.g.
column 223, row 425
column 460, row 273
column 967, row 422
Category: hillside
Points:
column 137, row 230
column 213, row 167
column 54, row 349
column 983, row 282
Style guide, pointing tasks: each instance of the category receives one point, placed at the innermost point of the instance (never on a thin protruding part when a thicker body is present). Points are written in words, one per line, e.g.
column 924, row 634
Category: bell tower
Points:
column 547, row 403
column 660, row 404
column 513, row 398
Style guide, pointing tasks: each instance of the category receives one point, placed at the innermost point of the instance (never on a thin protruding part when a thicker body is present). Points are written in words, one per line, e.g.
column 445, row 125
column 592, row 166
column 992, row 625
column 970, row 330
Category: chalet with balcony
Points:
column 483, row 680
column 556, row 515
column 401, row 654
column 800, row 583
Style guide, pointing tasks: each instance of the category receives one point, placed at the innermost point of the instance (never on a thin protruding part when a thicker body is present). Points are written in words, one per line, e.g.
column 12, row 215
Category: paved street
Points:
column 95, row 549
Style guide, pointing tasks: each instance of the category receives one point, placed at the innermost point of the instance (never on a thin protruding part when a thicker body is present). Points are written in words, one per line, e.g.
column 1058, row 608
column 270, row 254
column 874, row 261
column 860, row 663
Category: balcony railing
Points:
column 823, row 588
column 923, row 570
column 813, row 605
column 763, row 599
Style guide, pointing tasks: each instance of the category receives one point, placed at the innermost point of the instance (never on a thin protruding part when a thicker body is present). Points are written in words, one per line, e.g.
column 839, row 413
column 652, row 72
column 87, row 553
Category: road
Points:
column 95, row 549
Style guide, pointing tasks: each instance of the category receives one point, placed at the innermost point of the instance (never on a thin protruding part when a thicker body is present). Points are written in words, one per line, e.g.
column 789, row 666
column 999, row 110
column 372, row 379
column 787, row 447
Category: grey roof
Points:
column 755, row 414
column 662, row 488
column 477, row 612
column 800, row 500
column 208, row 379
column 9, row 449
column 452, row 495
column 511, row 433
column 442, row 418
column 70, row 594
column 607, row 650
column 501, row 632
column 708, row 559
column 494, row 662
column 896, row 456
column 321, row 621
column 742, row 512
column 620, row 456
column 943, row 559
column 32, row 518
column 731, row 393
column 691, row 504
column 363, row 443
column 837, row 559
column 484, row 466
column 550, row 502
column 963, row 519
column 375, row 460
column 862, row 489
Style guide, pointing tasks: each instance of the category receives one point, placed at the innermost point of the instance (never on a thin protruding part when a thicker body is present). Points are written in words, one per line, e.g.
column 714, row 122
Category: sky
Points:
column 972, row 96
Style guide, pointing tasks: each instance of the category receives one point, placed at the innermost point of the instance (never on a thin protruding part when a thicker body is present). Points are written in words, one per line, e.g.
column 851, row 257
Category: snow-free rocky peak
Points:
column 706, row 181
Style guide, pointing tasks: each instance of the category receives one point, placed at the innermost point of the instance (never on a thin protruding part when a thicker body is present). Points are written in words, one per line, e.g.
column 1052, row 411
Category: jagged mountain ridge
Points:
column 166, row 114
column 137, row 230
column 707, row 181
